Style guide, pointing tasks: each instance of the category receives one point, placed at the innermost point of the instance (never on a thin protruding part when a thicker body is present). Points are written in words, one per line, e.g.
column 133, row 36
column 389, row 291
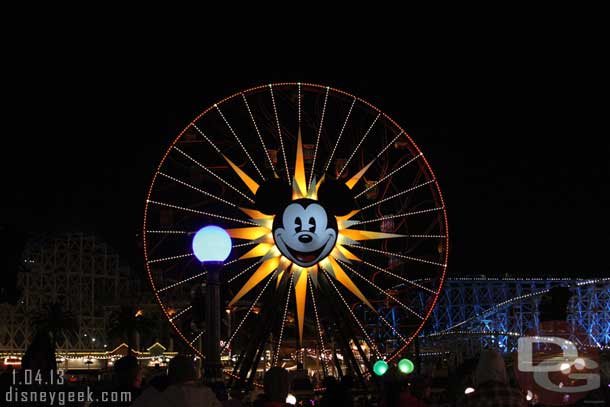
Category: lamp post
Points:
column 212, row 245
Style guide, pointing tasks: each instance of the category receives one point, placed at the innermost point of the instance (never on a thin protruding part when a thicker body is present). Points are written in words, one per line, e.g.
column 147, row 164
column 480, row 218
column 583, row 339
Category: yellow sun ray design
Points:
column 271, row 257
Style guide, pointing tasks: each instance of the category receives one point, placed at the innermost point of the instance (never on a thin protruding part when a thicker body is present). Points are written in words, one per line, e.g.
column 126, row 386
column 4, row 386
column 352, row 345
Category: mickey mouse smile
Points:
column 305, row 257
column 304, row 232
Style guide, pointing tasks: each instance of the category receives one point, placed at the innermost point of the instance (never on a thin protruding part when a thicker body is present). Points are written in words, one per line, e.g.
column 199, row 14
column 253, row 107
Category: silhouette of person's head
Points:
column 276, row 384
column 40, row 355
column 491, row 367
column 127, row 372
column 181, row 370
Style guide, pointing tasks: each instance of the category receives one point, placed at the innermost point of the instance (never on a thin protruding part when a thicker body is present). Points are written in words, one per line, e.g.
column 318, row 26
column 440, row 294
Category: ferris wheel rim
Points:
column 428, row 167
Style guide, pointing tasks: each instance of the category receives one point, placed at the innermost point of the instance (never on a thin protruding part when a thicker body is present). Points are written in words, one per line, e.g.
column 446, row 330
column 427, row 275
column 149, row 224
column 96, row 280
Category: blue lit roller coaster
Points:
column 493, row 312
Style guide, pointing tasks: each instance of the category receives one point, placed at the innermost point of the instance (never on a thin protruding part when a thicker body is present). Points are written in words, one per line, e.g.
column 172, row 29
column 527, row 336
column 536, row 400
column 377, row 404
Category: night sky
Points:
column 526, row 185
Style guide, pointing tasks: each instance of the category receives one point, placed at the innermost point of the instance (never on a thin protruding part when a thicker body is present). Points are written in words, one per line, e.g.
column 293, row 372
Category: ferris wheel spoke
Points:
column 249, row 311
column 245, row 244
column 402, row 215
column 299, row 104
column 176, row 284
column 413, row 283
column 211, row 215
column 197, row 337
column 330, row 279
column 423, row 184
column 279, row 132
column 250, row 267
column 178, row 315
column 339, row 137
column 260, row 137
column 359, row 144
column 180, row 256
column 381, row 290
column 199, row 190
column 402, row 338
column 389, row 175
column 239, row 141
column 170, row 232
column 315, row 154
column 279, row 342
column 206, row 169
column 402, row 256
column 318, row 327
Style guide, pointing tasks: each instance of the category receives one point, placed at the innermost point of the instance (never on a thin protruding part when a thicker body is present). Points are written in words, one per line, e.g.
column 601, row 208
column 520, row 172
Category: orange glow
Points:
column 254, row 214
column 252, row 233
column 299, row 171
column 250, row 183
column 348, row 216
column 139, row 313
column 349, row 255
column 367, row 234
column 260, row 250
column 354, row 180
column 300, row 293
column 344, row 279
column 263, row 271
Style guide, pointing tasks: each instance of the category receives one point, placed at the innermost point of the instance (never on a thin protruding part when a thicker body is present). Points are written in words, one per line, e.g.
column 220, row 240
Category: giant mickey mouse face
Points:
column 304, row 232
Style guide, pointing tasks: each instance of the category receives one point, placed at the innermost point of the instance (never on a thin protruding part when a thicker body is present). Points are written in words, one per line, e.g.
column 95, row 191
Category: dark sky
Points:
column 526, row 184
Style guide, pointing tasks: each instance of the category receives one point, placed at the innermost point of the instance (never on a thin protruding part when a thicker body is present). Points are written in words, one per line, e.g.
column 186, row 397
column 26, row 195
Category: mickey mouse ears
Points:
column 275, row 194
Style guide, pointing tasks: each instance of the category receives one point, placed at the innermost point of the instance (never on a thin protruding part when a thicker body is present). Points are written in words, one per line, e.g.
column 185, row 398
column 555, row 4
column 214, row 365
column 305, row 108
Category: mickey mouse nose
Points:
column 305, row 238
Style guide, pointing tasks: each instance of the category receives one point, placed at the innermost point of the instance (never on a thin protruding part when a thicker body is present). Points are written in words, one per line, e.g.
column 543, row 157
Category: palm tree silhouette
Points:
column 49, row 323
column 53, row 319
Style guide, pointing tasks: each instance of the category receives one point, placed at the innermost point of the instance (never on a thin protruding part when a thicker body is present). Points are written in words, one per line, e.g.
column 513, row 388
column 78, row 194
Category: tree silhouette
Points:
column 53, row 319
column 126, row 323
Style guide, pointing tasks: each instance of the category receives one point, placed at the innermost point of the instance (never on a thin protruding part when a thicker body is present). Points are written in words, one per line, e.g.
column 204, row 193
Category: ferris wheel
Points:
column 338, row 228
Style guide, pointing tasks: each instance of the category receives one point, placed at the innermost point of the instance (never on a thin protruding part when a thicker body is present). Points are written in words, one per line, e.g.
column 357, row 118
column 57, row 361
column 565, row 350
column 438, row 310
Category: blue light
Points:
column 212, row 243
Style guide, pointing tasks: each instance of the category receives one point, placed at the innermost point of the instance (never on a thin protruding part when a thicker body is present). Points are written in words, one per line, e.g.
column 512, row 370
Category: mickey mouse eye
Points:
column 312, row 223
column 299, row 224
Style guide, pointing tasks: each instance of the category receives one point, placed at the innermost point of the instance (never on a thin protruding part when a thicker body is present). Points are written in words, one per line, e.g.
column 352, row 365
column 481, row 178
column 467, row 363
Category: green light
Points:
column 380, row 367
column 406, row 366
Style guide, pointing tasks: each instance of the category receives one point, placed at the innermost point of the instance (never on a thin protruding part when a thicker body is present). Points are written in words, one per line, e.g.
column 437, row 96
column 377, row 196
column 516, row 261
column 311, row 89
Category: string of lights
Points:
column 226, row 345
column 245, row 244
column 381, row 290
column 198, row 190
column 203, row 273
column 170, row 232
column 389, row 175
column 212, row 173
column 423, row 184
column 180, row 256
column 197, row 337
column 279, row 342
column 332, row 154
column 399, row 277
column 401, row 215
column 244, row 271
column 279, row 132
column 373, row 346
column 299, row 104
column 238, row 140
column 260, row 137
column 212, row 215
column 318, row 326
column 402, row 256
column 180, row 313
column 358, row 146
column 315, row 154
column 207, row 139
